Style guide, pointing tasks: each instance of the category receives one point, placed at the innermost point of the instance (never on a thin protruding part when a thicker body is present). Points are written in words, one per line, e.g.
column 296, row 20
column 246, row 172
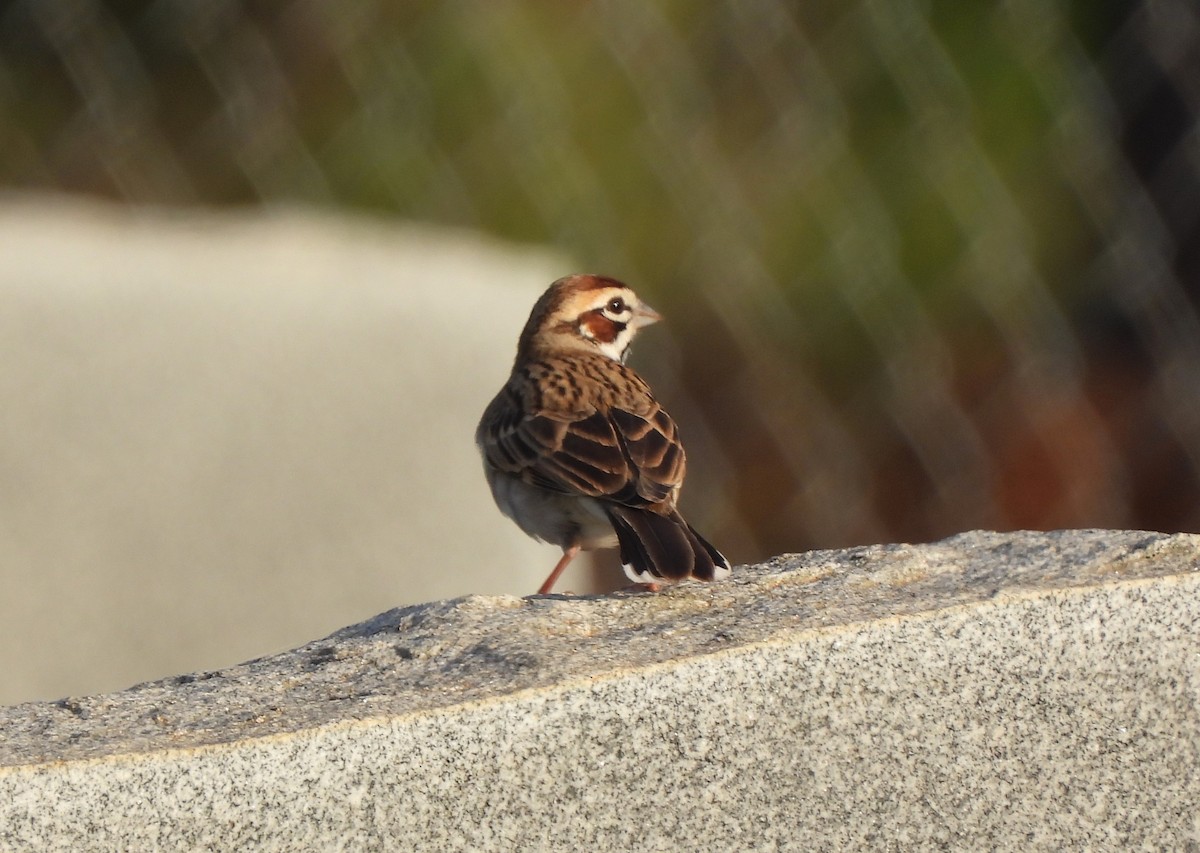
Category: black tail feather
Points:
column 664, row 546
column 716, row 560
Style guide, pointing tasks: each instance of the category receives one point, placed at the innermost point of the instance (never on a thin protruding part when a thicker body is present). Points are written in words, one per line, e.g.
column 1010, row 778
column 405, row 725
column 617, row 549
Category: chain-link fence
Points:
column 927, row 266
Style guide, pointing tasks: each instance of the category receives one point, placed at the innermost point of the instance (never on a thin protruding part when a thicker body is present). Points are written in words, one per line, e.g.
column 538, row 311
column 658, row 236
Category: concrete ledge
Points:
column 1011, row 691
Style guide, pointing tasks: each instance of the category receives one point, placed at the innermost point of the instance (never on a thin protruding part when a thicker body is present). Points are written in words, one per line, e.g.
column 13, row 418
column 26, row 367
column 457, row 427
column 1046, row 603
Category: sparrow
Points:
column 576, row 449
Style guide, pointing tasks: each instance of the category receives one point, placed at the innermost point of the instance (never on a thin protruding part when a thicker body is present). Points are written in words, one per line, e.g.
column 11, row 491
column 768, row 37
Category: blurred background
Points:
column 926, row 267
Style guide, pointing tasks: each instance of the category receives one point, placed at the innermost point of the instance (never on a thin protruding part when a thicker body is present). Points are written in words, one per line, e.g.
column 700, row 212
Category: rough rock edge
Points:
column 448, row 653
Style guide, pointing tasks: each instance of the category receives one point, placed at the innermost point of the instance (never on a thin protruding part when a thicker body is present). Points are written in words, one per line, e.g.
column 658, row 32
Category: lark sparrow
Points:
column 576, row 449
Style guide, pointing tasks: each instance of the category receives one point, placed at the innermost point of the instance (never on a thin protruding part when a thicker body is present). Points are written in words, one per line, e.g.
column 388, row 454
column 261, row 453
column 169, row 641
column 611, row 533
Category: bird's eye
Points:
column 616, row 305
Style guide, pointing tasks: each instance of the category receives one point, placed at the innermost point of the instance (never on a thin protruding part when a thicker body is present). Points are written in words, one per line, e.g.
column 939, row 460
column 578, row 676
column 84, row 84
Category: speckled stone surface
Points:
column 991, row 691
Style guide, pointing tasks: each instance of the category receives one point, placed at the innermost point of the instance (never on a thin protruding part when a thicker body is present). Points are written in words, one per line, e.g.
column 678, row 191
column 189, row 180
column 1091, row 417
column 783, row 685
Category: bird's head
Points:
column 588, row 312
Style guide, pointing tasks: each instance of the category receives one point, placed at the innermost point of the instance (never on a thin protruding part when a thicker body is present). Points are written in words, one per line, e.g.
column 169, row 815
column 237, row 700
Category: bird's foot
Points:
column 641, row 587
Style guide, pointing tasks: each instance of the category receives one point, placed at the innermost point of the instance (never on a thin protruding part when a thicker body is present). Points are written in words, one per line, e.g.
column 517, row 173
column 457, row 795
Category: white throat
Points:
column 618, row 348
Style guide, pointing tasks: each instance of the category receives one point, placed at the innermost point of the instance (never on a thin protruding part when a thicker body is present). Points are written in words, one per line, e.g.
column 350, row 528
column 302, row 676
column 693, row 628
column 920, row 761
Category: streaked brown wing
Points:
column 653, row 450
column 576, row 457
column 619, row 456
column 588, row 459
column 508, row 441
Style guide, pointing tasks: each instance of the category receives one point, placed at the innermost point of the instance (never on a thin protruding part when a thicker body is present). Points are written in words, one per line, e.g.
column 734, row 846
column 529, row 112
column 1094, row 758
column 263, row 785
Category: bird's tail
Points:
column 665, row 547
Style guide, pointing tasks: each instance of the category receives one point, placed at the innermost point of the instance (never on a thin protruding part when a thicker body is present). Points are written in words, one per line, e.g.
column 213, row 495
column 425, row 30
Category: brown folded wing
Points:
column 631, row 459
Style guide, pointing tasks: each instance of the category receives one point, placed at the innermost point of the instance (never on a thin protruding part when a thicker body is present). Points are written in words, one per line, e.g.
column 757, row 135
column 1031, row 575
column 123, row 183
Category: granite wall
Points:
column 1022, row 691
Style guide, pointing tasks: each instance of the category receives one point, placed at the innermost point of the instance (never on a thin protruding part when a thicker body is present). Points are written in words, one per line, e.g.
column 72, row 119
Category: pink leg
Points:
column 568, row 555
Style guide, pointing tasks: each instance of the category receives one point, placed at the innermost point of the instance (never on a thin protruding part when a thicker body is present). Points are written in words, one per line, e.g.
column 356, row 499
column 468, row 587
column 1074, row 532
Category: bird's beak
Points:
column 644, row 315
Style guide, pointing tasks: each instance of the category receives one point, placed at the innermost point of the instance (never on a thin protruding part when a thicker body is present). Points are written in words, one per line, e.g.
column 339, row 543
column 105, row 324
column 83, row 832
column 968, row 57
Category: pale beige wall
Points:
column 225, row 434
